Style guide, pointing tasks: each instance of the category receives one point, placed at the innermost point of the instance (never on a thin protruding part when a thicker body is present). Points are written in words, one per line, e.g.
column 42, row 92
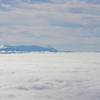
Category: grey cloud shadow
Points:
column 33, row 80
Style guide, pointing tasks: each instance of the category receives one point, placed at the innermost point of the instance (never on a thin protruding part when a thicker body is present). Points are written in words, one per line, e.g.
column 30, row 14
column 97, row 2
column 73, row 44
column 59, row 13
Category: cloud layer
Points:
column 50, row 22
column 50, row 76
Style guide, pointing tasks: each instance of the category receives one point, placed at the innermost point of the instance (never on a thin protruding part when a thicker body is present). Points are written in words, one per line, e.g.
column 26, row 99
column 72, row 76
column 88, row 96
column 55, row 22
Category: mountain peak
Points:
column 2, row 47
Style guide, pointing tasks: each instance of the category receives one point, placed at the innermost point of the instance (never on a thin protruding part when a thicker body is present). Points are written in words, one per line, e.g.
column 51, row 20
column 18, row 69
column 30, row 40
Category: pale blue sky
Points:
column 65, row 24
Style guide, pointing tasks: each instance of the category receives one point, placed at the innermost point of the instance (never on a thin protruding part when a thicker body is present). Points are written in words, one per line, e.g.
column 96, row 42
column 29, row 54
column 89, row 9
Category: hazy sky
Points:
column 65, row 24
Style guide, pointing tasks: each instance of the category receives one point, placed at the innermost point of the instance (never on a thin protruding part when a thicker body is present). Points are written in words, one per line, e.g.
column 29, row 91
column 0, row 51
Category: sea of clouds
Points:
column 50, row 76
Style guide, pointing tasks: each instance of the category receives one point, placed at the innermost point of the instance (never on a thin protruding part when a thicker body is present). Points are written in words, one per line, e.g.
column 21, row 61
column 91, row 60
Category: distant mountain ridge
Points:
column 32, row 48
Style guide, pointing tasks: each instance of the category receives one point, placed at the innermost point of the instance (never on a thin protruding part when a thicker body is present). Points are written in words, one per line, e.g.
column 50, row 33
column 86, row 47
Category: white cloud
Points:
column 47, row 35
column 34, row 22
column 2, row 47
column 50, row 76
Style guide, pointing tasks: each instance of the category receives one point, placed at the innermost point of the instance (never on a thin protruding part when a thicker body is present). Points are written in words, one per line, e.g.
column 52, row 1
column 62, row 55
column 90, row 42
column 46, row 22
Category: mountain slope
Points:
column 26, row 48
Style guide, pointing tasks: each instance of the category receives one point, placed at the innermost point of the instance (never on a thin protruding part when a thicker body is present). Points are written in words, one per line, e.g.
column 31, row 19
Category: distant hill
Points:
column 24, row 48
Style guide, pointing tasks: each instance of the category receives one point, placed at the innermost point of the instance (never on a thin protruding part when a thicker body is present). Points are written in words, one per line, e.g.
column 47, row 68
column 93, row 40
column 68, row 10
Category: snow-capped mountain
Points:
column 23, row 48
column 2, row 47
